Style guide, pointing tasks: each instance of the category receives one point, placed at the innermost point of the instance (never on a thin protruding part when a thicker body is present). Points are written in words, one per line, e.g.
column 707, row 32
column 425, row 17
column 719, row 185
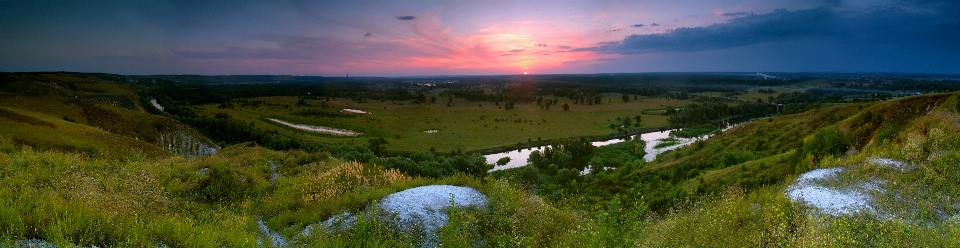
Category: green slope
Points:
column 82, row 99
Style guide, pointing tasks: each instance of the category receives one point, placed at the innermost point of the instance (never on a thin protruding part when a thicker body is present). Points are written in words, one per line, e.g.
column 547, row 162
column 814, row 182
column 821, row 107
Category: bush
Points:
column 529, row 174
column 737, row 157
column 566, row 175
column 827, row 142
column 225, row 185
column 887, row 132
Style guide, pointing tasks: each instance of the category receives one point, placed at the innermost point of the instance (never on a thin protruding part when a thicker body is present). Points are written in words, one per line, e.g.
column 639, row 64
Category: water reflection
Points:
column 518, row 158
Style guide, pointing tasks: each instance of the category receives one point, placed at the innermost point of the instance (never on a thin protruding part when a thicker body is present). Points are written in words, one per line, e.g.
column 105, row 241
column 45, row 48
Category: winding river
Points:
column 518, row 158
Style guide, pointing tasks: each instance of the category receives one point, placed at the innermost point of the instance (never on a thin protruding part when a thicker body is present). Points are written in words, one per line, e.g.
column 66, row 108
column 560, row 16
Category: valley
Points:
column 619, row 160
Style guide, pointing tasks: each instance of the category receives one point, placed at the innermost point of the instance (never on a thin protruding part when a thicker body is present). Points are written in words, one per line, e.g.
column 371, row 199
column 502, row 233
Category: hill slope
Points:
column 84, row 113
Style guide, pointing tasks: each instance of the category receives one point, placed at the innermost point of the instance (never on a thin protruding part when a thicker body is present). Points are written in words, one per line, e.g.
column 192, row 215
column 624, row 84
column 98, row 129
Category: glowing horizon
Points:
column 479, row 38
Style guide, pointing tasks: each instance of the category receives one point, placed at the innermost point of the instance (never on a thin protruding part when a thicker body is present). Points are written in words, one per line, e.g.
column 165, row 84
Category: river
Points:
column 155, row 104
column 518, row 158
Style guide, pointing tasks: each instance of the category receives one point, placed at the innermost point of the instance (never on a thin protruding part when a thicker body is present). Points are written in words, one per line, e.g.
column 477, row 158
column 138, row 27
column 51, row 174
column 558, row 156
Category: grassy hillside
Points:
column 768, row 151
column 44, row 132
column 216, row 201
column 726, row 191
column 84, row 113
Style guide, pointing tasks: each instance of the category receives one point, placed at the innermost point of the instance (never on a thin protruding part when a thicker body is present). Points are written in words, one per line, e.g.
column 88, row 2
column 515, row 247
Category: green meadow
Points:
column 465, row 125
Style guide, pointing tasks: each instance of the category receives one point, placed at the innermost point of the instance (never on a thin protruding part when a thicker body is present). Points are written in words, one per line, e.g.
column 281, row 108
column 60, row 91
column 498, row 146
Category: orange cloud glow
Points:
column 510, row 47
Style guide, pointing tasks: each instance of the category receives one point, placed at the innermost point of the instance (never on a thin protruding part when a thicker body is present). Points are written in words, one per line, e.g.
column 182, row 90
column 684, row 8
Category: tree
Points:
column 562, row 158
column 566, row 175
column 377, row 145
column 566, row 107
column 538, row 160
column 508, row 105
column 433, row 99
column 596, row 165
column 639, row 147
column 625, row 97
column 529, row 174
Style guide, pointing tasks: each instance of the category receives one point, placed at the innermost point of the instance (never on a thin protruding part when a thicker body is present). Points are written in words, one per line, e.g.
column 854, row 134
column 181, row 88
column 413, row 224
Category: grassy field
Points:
column 466, row 125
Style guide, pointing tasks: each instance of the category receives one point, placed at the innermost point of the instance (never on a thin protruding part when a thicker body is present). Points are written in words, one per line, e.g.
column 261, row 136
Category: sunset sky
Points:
column 403, row 38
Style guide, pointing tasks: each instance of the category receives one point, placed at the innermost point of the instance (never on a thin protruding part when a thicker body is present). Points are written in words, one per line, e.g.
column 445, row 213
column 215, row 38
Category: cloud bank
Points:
column 933, row 25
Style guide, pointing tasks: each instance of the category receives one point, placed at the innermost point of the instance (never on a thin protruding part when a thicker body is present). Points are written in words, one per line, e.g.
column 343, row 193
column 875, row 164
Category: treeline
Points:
column 428, row 164
column 708, row 111
column 193, row 93
column 502, row 96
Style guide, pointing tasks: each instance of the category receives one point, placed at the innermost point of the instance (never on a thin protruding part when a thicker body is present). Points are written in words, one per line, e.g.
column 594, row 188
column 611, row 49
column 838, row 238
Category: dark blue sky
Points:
column 395, row 38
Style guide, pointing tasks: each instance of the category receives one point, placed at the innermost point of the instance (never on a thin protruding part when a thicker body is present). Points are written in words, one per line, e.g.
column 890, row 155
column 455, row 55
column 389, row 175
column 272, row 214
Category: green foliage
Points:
column 826, row 142
column 696, row 131
column 530, row 174
column 219, row 183
column 705, row 112
column 887, row 132
column 71, row 200
column 665, row 142
column 437, row 166
column 503, row 161
column 736, row 157
column 377, row 145
column 567, row 175
column 565, row 153
column 596, row 164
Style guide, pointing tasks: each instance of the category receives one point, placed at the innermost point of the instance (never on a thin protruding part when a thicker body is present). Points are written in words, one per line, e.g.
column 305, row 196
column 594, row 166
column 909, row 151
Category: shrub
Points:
column 737, row 157
column 529, row 174
column 887, row 132
column 566, row 175
column 827, row 142
column 222, row 184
